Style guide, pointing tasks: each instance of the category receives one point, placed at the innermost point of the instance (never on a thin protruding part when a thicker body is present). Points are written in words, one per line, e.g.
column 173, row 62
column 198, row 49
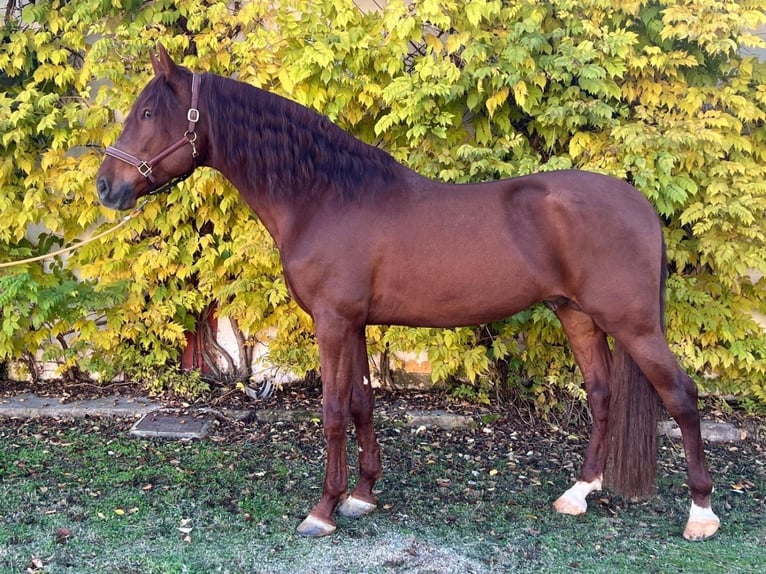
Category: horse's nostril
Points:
column 102, row 187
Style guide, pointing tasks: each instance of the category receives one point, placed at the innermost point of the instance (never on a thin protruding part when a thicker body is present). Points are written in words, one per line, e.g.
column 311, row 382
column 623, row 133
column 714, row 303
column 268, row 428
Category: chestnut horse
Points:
column 364, row 240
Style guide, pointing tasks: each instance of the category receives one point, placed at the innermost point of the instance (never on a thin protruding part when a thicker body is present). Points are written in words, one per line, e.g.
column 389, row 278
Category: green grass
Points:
column 231, row 503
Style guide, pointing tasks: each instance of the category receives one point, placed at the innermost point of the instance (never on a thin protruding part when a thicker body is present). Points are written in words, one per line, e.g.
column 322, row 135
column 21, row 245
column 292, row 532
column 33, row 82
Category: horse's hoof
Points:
column 573, row 501
column 567, row 505
column 702, row 524
column 697, row 530
column 353, row 507
column 313, row 527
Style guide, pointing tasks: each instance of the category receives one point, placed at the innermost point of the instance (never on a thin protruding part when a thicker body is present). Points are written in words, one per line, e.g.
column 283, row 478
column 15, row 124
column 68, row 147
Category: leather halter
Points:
column 190, row 137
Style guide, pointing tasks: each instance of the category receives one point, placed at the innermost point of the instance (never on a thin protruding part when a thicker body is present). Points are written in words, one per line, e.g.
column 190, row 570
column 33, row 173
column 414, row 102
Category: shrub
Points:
column 660, row 93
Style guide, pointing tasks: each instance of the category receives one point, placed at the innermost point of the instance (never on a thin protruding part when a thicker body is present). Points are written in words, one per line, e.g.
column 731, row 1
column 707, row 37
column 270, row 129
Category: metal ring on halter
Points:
column 192, row 137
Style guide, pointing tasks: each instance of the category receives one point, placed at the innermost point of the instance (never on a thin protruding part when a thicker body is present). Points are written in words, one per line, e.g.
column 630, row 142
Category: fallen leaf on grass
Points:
column 186, row 531
column 37, row 565
column 62, row 535
column 185, row 528
column 741, row 487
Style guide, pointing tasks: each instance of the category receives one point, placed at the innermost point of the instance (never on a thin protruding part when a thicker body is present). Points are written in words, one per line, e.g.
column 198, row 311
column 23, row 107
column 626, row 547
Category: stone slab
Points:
column 27, row 405
column 711, row 431
column 285, row 416
column 173, row 425
column 415, row 419
column 438, row 419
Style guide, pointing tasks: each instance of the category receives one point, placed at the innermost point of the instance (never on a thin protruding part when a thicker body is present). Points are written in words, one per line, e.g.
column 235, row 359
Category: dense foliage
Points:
column 657, row 92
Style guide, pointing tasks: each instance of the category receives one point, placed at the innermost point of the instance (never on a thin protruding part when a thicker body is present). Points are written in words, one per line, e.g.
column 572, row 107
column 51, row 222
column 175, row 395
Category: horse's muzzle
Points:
column 114, row 197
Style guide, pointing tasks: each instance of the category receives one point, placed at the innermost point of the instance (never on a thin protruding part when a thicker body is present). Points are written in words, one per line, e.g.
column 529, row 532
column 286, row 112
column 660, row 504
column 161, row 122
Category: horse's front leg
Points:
column 339, row 345
column 362, row 501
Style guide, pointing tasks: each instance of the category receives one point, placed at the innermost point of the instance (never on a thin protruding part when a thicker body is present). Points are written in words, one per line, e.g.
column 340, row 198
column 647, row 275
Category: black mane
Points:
column 288, row 149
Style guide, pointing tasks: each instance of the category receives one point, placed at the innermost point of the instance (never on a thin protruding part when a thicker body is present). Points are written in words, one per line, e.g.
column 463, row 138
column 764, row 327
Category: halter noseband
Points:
column 190, row 137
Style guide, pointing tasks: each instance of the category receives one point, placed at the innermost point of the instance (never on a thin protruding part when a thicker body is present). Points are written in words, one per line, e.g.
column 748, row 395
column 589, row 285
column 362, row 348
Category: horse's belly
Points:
column 451, row 294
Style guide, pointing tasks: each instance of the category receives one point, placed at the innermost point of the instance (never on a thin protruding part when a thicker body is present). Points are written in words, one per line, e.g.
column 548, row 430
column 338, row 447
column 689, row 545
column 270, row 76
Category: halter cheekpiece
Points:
column 190, row 137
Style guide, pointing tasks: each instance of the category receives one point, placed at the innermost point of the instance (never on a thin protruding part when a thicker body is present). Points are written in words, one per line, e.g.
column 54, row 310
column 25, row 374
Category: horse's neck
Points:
column 284, row 216
column 282, row 211
column 276, row 215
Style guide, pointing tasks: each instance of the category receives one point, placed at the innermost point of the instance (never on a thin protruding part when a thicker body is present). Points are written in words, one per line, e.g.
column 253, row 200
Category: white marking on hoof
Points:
column 703, row 523
column 353, row 507
column 314, row 527
column 573, row 501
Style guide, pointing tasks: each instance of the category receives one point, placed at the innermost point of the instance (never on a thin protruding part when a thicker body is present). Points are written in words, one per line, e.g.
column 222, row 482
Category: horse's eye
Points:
column 147, row 114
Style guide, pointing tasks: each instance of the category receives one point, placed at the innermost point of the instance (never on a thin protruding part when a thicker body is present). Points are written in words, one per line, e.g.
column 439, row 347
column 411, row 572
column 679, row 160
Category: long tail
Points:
column 634, row 406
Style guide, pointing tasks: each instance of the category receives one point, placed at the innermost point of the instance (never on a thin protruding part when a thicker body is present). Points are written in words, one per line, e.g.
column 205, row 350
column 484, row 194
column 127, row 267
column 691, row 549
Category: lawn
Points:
column 82, row 496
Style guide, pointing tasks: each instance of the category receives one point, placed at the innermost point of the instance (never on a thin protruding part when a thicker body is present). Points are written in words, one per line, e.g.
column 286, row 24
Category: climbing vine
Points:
column 663, row 94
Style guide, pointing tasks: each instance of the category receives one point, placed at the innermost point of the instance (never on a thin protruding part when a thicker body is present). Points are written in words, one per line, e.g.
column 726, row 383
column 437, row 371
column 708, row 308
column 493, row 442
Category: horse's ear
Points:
column 162, row 63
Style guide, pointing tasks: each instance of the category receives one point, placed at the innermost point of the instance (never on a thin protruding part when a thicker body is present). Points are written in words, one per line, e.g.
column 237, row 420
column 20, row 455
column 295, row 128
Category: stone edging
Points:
column 33, row 406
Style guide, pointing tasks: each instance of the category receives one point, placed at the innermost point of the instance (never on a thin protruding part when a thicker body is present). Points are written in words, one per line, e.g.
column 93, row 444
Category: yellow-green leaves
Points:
column 657, row 92
column 718, row 27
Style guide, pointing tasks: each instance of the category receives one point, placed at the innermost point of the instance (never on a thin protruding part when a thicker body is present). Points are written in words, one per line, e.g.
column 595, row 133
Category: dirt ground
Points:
column 509, row 419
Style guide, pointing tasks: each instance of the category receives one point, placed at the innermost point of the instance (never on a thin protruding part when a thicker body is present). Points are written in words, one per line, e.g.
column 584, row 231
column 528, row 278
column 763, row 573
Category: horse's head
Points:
column 159, row 141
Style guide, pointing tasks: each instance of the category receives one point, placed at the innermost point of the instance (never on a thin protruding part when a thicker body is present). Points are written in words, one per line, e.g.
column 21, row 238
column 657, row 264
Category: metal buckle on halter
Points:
column 144, row 169
column 193, row 115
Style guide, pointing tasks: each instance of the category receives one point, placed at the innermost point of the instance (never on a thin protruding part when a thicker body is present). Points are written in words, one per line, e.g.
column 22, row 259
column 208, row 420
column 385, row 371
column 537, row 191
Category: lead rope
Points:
column 130, row 216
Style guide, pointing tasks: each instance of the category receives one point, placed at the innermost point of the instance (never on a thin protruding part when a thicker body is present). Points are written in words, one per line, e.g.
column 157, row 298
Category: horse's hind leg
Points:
column 679, row 395
column 592, row 354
